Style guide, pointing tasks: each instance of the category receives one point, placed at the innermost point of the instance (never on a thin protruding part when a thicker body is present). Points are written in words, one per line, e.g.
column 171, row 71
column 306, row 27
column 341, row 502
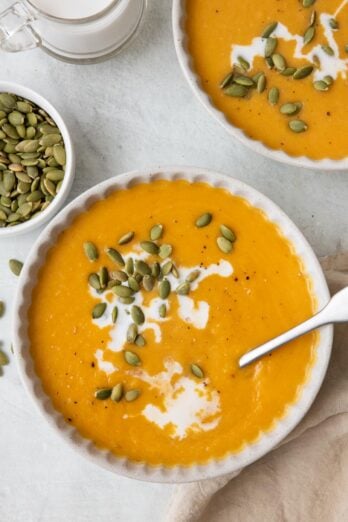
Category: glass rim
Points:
column 58, row 19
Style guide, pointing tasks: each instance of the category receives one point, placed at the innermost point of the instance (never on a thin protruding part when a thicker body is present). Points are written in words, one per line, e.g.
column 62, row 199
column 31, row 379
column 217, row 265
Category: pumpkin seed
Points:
column 114, row 314
column 126, row 238
column 270, row 46
column 133, row 284
column 122, row 291
column 320, row 85
column 156, row 232
column 15, row 265
column 115, row 256
column 102, row 394
column 328, row 50
column 162, row 311
column 183, row 288
column 119, row 275
column 269, row 29
column 126, row 300
column 165, row 251
column 25, row 209
column 192, row 276
column 243, row 63
column 142, row 268
column 328, row 79
column 164, row 289
column 59, row 154
column 49, row 140
column 197, row 371
column 227, row 233
column 167, row 268
column 132, row 333
column 175, row 272
column 156, row 270
column 273, row 95
column 91, row 251
column 148, row 282
column 150, row 247
column 244, row 80
column 224, row 244
column 129, row 266
column 98, row 310
column 104, row 276
column 261, row 83
column 204, row 220
column 289, row 109
column 236, row 91
column 309, row 35
column 132, row 395
column 289, row 71
column 137, row 315
column 55, row 175
column 2, row 309
column 279, row 62
column 23, row 107
column 227, row 80
column 333, row 23
column 140, row 341
column 94, row 281
column 131, row 358
column 117, row 392
column 298, row 126
column 303, row 72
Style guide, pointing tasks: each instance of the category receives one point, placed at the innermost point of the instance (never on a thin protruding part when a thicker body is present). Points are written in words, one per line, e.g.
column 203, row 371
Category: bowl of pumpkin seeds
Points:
column 37, row 163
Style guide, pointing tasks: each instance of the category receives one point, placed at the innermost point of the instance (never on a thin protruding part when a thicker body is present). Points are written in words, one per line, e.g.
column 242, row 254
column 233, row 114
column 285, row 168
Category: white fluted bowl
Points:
column 122, row 465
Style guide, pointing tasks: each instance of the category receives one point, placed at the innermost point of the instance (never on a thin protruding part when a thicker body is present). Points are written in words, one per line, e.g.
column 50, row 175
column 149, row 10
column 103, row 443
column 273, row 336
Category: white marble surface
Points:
column 135, row 110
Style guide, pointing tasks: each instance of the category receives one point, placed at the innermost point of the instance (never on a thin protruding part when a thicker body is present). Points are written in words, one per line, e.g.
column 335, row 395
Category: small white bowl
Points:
column 186, row 63
column 56, row 204
column 122, row 465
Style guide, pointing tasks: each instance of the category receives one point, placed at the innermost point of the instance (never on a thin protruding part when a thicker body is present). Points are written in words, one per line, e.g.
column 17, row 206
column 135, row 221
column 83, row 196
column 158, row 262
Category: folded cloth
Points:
column 305, row 479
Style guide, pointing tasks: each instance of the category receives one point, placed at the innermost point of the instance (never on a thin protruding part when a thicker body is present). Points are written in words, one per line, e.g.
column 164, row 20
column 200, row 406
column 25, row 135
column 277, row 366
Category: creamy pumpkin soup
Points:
column 142, row 309
column 277, row 69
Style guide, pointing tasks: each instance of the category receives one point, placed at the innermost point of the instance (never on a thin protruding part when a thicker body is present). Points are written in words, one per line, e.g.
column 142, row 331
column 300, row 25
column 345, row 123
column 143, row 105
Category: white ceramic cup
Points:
column 58, row 201
column 186, row 63
column 141, row 470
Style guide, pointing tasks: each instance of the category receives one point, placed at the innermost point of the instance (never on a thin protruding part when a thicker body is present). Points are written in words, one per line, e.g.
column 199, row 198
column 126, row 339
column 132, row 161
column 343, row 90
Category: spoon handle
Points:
column 335, row 311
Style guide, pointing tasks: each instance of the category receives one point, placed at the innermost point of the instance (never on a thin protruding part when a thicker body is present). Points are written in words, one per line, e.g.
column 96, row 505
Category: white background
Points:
column 130, row 112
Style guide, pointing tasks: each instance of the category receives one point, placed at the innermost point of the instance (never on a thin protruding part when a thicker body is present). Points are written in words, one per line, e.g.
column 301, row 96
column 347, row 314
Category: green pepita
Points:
column 298, row 126
column 102, row 394
column 156, row 232
column 162, row 311
column 236, row 91
column 131, row 358
column 273, row 95
column 165, row 251
column 140, row 341
column 122, row 291
column 192, row 276
column 303, row 72
column 148, row 282
column 204, row 220
column 224, row 244
column 126, row 238
column 142, row 268
column 227, row 233
column 115, row 256
column 164, row 289
column 150, row 247
column 98, row 310
column 117, row 392
column 183, row 288
column 137, row 315
column 320, row 85
column 114, row 314
column 269, row 29
column 197, row 371
column 309, row 35
column 15, row 265
column 91, row 251
column 132, row 395
column 270, row 46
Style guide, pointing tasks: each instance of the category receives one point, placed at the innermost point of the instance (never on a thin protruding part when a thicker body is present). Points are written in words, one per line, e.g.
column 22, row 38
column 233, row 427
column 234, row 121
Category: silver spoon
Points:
column 336, row 311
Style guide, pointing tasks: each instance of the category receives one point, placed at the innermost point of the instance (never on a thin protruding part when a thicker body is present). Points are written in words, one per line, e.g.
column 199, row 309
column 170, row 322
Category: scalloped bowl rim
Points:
column 185, row 61
column 141, row 470
column 58, row 201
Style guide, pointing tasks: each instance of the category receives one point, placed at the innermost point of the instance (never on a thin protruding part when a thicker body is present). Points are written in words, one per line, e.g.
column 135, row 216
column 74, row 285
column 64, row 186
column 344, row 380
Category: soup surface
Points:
column 300, row 111
column 177, row 394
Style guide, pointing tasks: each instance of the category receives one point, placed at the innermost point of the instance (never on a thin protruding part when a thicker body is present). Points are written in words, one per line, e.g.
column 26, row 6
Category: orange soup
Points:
column 276, row 69
column 143, row 307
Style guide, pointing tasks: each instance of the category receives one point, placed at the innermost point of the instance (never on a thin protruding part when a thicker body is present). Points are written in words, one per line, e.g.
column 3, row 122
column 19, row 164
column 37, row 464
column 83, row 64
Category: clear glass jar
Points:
column 96, row 36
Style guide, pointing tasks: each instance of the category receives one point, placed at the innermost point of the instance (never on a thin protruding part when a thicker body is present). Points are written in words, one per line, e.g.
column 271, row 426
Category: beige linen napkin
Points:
column 305, row 479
